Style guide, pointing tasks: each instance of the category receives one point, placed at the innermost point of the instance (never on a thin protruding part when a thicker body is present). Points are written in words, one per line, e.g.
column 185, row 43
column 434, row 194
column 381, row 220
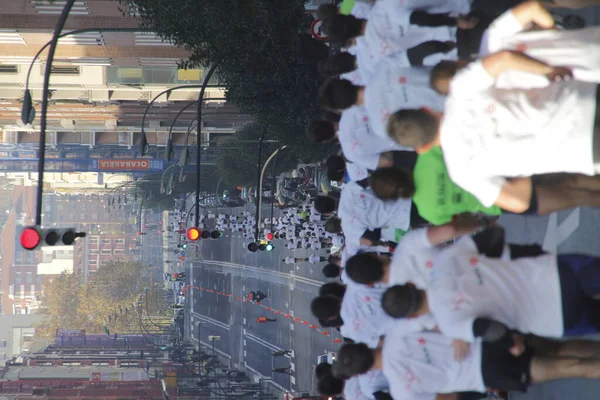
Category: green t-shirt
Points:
column 346, row 7
column 437, row 198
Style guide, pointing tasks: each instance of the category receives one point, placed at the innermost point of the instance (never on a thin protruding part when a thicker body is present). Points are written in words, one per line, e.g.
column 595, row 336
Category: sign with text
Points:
column 70, row 332
column 120, row 165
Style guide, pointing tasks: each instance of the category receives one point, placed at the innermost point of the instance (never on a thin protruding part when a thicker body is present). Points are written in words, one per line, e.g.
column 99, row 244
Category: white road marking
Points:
column 291, row 326
column 556, row 234
column 293, row 380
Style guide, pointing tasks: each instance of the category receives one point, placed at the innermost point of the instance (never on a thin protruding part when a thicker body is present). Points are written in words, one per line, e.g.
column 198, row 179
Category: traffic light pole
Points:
column 43, row 118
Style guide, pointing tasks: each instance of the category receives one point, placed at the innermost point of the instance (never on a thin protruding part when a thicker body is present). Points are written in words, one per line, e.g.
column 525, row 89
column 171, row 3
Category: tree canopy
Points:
column 108, row 298
column 266, row 56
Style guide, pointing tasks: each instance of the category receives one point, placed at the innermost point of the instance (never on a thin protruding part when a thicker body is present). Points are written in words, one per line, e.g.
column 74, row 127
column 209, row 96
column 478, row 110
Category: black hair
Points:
column 319, row 131
column 353, row 359
column 332, row 289
column 412, row 127
column 338, row 94
column 329, row 385
column 333, row 225
column 400, row 301
column 336, row 168
column 323, row 370
column 365, row 268
column 325, row 204
column 329, row 116
column 392, row 183
column 336, row 260
column 332, row 271
column 325, row 307
column 445, row 69
column 341, row 28
column 337, row 64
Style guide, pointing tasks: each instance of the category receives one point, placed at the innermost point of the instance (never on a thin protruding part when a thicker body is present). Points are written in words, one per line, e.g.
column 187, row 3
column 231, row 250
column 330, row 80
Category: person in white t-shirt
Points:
column 420, row 365
column 413, row 259
column 359, row 211
column 314, row 259
column 293, row 260
column 358, row 142
column 543, row 294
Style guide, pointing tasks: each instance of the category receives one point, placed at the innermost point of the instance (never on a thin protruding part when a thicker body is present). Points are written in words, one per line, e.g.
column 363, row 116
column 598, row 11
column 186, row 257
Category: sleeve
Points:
column 423, row 18
column 494, row 332
column 473, row 78
column 504, row 26
column 415, row 240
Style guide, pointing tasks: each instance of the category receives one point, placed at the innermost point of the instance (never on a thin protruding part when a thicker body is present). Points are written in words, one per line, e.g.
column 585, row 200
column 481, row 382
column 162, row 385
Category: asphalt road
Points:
column 226, row 267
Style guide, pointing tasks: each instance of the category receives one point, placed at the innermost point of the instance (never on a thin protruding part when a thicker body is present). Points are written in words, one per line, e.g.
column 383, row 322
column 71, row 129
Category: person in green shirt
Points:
column 438, row 199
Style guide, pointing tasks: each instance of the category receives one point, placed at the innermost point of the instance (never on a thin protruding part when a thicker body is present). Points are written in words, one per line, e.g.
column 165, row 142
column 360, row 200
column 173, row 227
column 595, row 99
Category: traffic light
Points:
column 32, row 237
column 205, row 234
column 215, row 234
column 269, row 236
column 182, row 258
column 253, row 247
column 184, row 246
column 269, row 247
column 193, row 233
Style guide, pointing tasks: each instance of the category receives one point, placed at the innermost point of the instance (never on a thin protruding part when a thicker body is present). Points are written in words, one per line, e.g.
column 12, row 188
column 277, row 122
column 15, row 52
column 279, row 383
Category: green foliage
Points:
column 267, row 60
column 108, row 298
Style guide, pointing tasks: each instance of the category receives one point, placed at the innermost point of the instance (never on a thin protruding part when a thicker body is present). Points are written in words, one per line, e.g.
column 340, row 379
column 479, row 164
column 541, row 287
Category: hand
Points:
column 465, row 22
column 558, row 74
column 461, row 349
column 518, row 347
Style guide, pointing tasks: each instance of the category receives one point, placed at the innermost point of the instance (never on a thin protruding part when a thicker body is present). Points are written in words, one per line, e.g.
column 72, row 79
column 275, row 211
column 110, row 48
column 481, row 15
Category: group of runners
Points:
column 448, row 116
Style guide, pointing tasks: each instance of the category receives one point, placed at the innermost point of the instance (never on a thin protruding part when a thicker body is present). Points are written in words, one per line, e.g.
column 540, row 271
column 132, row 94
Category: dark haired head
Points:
column 319, row 131
column 334, row 260
column 331, row 271
column 392, row 183
column 330, row 116
column 323, row 370
column 400, row 301
column 326, row 11
column 338, row 94
column 333, row 225
column 326, row 307
column 329, row 385
column 413, row 127
column 341, row 28
column 337, row 64
column 353, row 359
column 335, row 322
column 441, row 75
column 332, row 289
column 336, row 168
column 365, row 268
column 325, row 204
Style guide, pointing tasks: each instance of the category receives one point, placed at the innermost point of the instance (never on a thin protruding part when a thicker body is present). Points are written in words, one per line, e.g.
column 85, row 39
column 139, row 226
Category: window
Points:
column 119, row 241
column 93, row 240
column 100, row 363
column 29, row 278
column 71, row 364
column 105, row 241
column 65, row 69
column 119, row 252
column 9, row 69
column 95, row 216
column 3, row 343
column 93, row 261
column 106, row 252
column 18, row 278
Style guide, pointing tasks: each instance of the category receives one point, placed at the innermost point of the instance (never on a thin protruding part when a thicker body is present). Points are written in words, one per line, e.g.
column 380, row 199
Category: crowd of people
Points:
column 449, row 115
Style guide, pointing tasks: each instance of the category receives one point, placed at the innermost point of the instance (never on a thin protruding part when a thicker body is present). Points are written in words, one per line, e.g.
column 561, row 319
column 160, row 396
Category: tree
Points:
column 267, row 60
column 109, row 298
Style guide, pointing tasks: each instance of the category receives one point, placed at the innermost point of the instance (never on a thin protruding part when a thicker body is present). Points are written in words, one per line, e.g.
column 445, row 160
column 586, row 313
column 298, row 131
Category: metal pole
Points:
column 259, row 197
column 43, row 121
column 258, row 183
column 273, row 190
column 209, row 74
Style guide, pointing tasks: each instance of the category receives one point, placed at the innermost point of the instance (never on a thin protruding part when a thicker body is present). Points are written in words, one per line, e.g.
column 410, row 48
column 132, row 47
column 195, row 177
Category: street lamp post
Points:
column 259, row 196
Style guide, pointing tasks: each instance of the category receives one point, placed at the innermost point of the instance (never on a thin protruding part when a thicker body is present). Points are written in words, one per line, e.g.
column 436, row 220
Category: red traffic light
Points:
column 30, row 238
column 193, row 234
column 182, row 258
column 269, row 236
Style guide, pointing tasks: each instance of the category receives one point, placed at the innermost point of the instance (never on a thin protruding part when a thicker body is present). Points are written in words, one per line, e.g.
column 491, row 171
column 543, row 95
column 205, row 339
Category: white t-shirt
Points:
column 313, row 259
column 361, row 10
column 413, row 260
column 542, row 130
column 364, row 319
column 423, row 364
column 353, row 390
column 356, row 77
column 394, row 87
column 360, row 210
column 373, row 381
column 356, row 172
column 577, row 49
column 524, row 294
column 358, row 142
column 290, row 260
column 389, row 30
